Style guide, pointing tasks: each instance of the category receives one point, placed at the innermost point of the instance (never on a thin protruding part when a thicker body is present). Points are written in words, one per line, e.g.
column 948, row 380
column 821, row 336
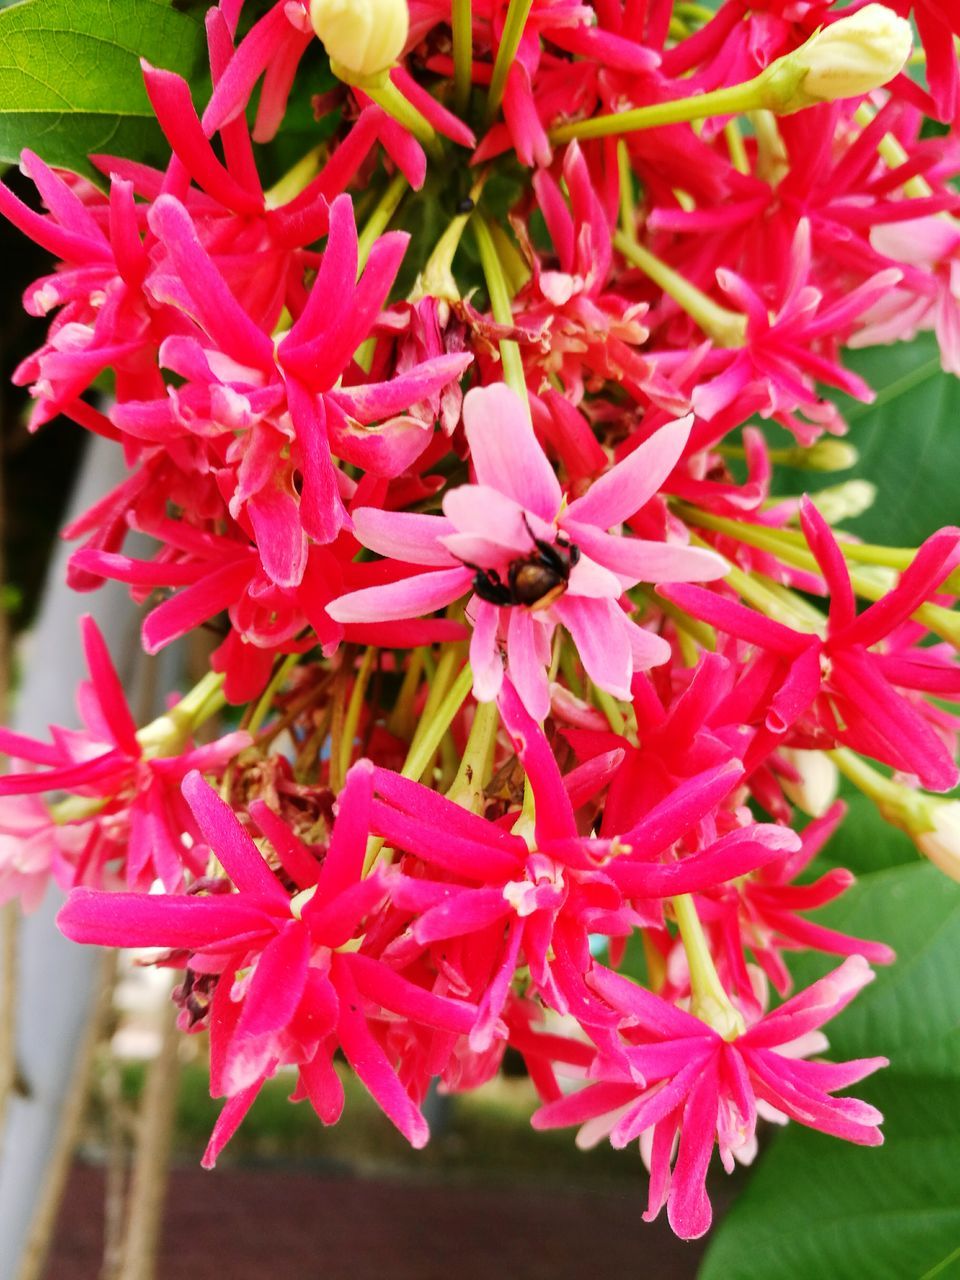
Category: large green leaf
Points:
column 908, row 440
column 70, row 79
column 817, row 1207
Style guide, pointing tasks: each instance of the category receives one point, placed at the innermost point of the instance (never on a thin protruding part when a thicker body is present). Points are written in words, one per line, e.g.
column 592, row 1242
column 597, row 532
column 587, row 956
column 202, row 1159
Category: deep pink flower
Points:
column 293, row 985
column 489, row 525
column 846, row 683
column 669, row 1074
column 489, row 899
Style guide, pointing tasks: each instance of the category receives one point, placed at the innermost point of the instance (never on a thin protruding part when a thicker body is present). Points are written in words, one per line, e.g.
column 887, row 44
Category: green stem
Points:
column 425, row 748
column 401, row 720
column 726, row 328
column 262, row 709
column 790, row 546
column 500, row 306
column 423, row 752
column 296, row 179
column 379, row 219
column 474, row 772
column 628, row 204
column 352, row 718
column 386, row 95
column 514, row 23
column 462, row 22
column 901, row 806
column 775, row 88
column 893, row 154
column 710, row 1001
column 166, row 735
column 611, row 709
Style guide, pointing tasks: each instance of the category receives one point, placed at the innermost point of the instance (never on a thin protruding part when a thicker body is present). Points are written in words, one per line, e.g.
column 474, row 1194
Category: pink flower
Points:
column 291, row 986
column 845, row 685
column 669, row 1074
column 132, row 781
column 517, row 514
column 787, row 350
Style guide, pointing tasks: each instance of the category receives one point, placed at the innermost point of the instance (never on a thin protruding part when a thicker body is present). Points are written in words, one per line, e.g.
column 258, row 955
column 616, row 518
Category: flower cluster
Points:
column 517, row 665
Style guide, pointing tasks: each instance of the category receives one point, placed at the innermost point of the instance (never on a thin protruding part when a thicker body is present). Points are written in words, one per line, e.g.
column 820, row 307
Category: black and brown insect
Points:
column 535, row 580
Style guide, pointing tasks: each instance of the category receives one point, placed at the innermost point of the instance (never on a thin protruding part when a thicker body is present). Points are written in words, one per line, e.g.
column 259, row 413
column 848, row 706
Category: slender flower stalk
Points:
column 725, row 327
column 498, row 289
column 849, row 58
column 462, row 23
column 513, row 24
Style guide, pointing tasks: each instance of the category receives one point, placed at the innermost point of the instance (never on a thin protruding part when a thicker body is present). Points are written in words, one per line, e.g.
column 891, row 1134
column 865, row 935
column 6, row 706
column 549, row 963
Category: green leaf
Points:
column 820, row 1207
column 70, row 78
column 908, row 440
column 865, row 841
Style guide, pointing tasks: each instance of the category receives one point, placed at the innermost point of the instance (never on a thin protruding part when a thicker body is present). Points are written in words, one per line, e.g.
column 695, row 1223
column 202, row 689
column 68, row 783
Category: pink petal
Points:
column 343, row 864
column 485, row 660
column 153, row 920
column 598, row 631
column 688, row 1205
column 505, row 452
column 370, row 1062
column 403, row 535
column 221, row 314
column 554, row 811
column 277, row 983
column 812, row 1007
column 526, row 664
column 377, row 981
column 240, row 857
column 409, row 598
column 228, row 1121
column 634, row 481
column 638, row 560
column 110, row 695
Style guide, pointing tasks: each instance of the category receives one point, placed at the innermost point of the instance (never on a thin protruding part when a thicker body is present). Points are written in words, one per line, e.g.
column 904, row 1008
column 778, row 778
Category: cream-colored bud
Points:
column 941, row 844
column 847, row 59
column 840, row 502
column 856, row 55
column 816, row 787
column 363, row 36
column 828, row 454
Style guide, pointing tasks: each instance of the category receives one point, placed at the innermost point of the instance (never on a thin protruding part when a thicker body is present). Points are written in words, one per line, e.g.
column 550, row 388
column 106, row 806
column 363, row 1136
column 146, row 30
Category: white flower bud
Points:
column 816, row 788
column 840, row 502
column 856, row 55
column 941, row 844
column 847, row 59
column 364, row 36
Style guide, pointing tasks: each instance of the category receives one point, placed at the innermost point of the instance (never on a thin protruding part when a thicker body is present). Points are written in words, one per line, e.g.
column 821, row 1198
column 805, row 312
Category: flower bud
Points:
column 840, row 502
column 363, row 36
column 828, row 454
column 941, row 843
column 857, row 54
column 847, row 59
column 815, row 787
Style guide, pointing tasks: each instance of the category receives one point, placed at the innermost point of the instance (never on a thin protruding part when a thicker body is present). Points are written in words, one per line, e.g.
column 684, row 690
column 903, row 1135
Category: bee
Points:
column 535, row 580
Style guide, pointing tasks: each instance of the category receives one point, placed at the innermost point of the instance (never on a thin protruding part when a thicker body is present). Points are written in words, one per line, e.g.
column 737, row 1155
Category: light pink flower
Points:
column 494, row 524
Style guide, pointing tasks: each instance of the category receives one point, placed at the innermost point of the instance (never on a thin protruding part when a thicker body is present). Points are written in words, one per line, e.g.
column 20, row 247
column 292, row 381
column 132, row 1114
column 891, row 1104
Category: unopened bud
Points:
column 815, row 787
column 941, row 842
column 828, row 454
column 846, row 59
column 840, row 502
column 365, row 37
